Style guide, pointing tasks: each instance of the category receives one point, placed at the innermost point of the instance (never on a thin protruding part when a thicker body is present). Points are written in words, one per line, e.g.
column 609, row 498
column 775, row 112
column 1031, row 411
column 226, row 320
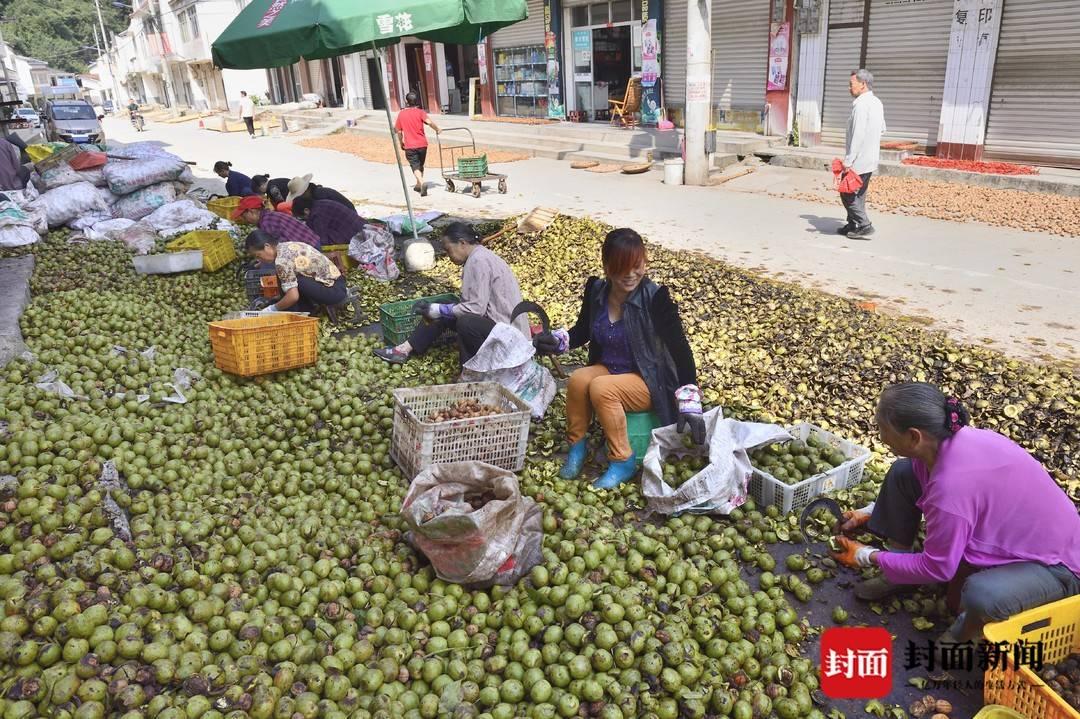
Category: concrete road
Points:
column 1011, row 290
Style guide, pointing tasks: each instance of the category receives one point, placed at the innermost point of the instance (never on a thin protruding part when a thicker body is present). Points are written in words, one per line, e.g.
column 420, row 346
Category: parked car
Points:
column 72, row 121
column 108, row 106
column 27, row 114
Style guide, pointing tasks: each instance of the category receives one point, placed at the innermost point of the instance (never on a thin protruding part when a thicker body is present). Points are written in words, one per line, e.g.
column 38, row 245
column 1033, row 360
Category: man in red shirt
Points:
column 410, row 129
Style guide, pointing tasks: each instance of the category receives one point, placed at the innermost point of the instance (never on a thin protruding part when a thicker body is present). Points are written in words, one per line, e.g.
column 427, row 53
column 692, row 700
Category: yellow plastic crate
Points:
column 223, row 207
column 343, row 253
column 260, row 345
column 216, row 245
column 1057, row 626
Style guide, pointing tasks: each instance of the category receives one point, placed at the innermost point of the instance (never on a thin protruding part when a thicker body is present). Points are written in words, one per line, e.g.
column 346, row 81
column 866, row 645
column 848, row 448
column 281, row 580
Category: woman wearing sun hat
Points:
column 303, row 187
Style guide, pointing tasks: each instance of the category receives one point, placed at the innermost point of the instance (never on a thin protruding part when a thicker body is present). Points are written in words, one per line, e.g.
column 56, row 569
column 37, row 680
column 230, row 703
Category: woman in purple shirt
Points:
column 995, row 519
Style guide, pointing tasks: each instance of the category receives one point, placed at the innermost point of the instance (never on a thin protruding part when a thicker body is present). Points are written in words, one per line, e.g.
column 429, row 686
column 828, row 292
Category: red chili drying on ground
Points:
column 989, row 168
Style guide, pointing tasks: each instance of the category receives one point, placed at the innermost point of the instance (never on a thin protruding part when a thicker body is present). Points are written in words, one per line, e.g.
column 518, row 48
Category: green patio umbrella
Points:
column 274, row 33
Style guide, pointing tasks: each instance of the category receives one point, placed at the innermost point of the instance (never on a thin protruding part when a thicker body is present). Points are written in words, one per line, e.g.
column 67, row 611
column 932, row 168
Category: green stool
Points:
column 639, row 427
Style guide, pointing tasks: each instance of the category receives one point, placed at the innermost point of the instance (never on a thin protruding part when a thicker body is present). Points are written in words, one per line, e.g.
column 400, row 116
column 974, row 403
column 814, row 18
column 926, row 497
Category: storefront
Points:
column 1034, row 111
column 905, row 44
column 520, row 66
column 603, row 53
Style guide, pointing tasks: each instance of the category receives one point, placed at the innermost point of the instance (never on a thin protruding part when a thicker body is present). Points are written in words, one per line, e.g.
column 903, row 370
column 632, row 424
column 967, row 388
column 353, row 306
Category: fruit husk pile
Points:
column 267, row 574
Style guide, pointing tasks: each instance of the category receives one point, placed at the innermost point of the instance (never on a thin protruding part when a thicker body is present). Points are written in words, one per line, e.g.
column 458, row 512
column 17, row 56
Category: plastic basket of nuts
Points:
column 471, row 421
column 1055, row 628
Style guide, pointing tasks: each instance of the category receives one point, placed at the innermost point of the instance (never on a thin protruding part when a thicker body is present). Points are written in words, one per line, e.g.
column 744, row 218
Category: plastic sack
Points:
column 507, row 357
column 141, row 203
column 64, row 204
column 108, row 229
column 138, row 150
column 140, row 237
column 473, row 524
column 127, row 176
column 18, row 235
column 85, row 222
column 107, row 196
column 180, row 216
column 373, row 249
column 723, row 484
column 23, row 215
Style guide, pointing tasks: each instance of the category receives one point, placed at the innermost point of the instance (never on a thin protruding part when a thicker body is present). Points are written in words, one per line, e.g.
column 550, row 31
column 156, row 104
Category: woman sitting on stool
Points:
column 639, row 360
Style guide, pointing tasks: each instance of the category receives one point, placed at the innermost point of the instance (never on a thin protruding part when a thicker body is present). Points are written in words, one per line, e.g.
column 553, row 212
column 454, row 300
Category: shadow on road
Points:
column 823, row 225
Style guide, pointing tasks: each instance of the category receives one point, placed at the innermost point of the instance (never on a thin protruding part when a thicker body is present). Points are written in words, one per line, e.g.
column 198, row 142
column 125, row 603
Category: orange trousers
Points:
column 592, row 390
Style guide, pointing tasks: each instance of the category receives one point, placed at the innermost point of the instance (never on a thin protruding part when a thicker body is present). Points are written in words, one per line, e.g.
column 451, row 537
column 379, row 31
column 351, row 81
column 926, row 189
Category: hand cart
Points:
column 463, row 149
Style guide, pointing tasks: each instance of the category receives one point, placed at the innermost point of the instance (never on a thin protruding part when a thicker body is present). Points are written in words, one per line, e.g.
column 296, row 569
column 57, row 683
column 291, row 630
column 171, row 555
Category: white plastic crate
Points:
column 168, row 263
column 768, row 490
column 498, row 439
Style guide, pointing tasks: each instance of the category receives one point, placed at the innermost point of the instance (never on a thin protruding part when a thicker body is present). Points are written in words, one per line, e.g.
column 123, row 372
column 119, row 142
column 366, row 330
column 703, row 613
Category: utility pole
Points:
column 108, row 54
column 698, row 89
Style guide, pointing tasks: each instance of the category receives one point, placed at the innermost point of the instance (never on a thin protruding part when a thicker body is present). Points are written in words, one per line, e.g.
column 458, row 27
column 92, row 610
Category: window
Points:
column 189, row 23
column 599, row 13
column 620, row 11
column 580, row 16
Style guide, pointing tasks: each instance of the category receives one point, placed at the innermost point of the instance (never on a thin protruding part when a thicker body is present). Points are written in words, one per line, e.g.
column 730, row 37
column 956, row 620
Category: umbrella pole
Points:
column 393, row 140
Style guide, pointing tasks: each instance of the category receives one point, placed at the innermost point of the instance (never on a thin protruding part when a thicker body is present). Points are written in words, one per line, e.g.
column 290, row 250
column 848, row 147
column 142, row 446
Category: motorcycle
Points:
column 137, row 121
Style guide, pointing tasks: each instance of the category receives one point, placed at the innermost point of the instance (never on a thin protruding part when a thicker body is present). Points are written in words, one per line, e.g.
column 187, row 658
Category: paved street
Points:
column 1012, row 290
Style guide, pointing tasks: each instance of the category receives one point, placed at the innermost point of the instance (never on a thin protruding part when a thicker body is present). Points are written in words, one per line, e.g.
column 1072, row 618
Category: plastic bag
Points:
column 180, row 216
column 139, row 151
column 127, row 176
column 373, row 249
column 140, row 237
column 50, row 382
column 846, row 182
column 110, row 482
column 85, row 222
column 472, row 522
column 64, row 204
column 723, row 484
column 141, row 203
column 506, row 357
column 419, row 256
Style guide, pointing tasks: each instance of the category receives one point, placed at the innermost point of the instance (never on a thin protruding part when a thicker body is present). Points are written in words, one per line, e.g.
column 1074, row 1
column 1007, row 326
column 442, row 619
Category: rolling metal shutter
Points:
column 842, row 56
column 673, row 54
column 529, row 31
column 907, row 50
column 1035, row 98
column 740, row 53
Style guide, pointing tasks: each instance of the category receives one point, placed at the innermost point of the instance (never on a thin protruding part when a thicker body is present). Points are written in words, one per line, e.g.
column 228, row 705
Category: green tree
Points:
column 58, row 31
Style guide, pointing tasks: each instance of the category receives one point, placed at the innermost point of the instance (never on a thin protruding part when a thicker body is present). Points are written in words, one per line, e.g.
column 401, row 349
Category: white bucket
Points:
column 419, row 255
column 673, row 171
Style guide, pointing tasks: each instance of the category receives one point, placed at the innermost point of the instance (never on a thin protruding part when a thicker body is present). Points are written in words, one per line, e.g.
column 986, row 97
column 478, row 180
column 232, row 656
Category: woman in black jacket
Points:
column 639, row 359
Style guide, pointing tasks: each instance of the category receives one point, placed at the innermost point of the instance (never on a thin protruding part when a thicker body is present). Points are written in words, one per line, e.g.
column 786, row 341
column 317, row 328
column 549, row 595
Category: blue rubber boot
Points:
column 574, row 461
column 617, row 473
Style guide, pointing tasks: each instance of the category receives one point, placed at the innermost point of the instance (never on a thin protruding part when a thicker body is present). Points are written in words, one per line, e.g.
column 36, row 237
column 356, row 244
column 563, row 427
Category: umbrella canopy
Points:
column 273, row 33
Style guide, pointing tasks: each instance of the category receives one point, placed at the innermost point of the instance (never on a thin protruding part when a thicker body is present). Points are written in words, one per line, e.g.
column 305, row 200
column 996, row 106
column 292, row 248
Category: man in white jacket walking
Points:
column 863, row 151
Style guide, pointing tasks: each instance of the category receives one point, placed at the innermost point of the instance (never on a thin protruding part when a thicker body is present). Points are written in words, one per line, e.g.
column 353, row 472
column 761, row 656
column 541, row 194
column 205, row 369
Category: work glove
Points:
column 268, row 309
column 855, row 520
column 433, row 310
column 552, row 343
column 421, row 308
column 688, row 399
column 853, row 554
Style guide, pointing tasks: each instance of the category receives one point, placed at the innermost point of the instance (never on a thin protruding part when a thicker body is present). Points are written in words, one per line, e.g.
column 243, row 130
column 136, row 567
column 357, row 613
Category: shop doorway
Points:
column 604, row 52
column 414, row 65
column 462, row 63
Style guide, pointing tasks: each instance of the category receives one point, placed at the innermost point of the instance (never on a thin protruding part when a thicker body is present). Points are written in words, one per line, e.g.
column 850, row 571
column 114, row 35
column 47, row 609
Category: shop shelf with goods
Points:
column 521, row 81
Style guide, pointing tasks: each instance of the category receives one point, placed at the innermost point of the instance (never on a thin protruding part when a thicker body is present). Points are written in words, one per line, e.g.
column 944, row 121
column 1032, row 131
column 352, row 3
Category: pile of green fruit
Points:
column 679, row 470
column 251, row 562
column 795, row 460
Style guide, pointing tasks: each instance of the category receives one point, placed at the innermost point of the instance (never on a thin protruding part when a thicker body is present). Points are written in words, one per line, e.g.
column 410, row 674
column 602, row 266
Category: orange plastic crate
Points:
column 1057, row 626
column 260, row 345
column 216, row 245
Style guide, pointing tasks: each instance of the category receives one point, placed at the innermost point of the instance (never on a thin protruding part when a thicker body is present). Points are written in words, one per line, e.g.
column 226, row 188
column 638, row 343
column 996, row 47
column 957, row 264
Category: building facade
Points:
column 163, row 56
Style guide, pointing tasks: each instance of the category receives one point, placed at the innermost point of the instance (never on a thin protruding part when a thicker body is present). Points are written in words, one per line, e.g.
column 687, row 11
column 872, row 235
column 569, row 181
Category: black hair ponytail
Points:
column 922, row 406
